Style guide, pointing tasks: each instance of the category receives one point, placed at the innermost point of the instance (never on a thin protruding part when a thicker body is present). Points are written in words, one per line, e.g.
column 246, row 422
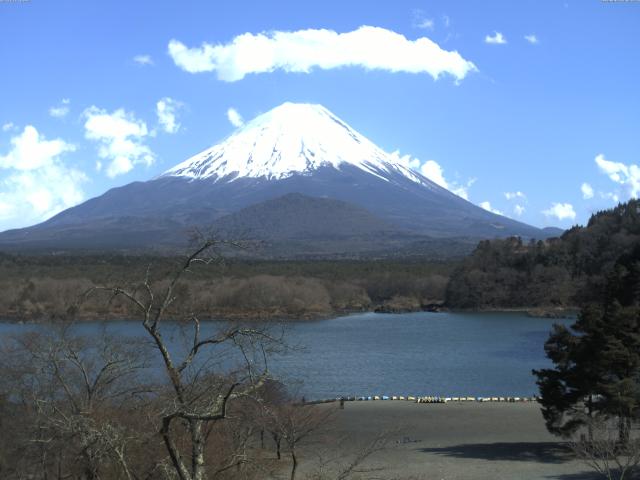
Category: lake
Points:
column 446, row 354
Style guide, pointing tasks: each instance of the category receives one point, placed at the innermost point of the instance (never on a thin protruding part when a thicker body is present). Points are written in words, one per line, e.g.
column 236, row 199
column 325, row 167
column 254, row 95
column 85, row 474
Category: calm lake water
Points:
column 447, row 354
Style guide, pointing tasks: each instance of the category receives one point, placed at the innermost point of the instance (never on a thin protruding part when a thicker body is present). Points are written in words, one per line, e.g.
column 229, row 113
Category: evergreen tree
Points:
column 568, row 391
column 597, row 360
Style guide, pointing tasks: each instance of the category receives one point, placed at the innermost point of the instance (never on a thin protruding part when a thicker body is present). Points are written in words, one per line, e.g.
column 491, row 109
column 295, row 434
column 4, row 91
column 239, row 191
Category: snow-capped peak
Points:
column 293, row 138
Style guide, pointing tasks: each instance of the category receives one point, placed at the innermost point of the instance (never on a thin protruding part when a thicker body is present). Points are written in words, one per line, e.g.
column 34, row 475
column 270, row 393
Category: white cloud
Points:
column 7, row 126
column 143, row 60
column 61, row 110
column 496, row 39
column 515, row 195
column 30, row 151
column 626, row 175
column 518, row 198
column 166, row 109
column 434, row 172
column 36, row 183
column 119, row 166
column 235, row 118
column 425, row 23
column 561, row 211
column 487, row 207
column 587, row 191
column 121, row 139
column 372, row 48
column 609, row 196
column 532, row 39
column 420, row 21
column 407, row 160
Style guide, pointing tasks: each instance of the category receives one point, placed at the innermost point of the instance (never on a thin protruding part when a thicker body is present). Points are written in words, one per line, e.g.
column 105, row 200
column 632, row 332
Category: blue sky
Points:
column 538, row 115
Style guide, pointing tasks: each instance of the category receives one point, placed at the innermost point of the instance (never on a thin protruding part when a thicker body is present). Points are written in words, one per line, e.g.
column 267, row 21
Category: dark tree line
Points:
column 561, row 272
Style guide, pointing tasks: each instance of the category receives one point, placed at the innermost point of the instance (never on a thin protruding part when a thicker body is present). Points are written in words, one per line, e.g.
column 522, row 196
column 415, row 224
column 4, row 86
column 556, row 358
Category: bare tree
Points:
column 605, row 452
column 295, row 424
column 200, row 392
column 350, row 463
column 69, row 389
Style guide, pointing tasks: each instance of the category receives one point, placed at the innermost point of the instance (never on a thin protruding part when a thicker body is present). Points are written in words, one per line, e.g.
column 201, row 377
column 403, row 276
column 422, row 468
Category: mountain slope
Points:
column 297, row 216
column 294, row 148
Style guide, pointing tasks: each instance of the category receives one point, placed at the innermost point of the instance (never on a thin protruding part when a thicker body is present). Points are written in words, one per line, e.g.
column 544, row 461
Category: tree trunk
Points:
column 590, row 424
column 276, row 439
column 90, row 468
column 623, row 431
column 89, row 474
column 174, row 455
column 198, row 470
column 294, row 465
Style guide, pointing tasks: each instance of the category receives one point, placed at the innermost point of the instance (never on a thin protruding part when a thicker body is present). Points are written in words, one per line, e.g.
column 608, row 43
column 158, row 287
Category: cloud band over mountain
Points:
column 371, row 48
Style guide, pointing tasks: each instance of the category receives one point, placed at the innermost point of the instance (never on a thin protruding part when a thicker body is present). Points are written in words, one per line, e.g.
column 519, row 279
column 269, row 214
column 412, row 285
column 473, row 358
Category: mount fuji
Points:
column 297, row 177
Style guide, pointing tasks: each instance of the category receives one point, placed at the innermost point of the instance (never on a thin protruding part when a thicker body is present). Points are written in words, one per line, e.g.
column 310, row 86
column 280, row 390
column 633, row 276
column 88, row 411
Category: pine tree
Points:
column 597, row 360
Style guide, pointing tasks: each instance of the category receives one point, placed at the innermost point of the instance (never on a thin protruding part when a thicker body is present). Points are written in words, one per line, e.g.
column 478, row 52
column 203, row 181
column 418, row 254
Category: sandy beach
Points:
column 457, row 441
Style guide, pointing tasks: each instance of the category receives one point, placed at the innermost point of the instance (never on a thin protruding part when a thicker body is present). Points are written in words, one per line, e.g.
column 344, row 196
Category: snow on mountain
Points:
column 292, row 138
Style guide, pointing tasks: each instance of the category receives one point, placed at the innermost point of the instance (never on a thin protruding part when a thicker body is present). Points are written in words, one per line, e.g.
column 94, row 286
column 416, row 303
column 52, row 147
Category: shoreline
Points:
column 425, row 399
column 535, row 312
column 550, row 313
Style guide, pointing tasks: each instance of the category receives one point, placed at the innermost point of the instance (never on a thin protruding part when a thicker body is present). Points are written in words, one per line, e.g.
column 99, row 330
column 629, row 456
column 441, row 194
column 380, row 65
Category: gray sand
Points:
column 454, row 441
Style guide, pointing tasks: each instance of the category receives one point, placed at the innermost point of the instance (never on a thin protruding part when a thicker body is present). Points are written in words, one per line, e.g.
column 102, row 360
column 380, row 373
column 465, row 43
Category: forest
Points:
column 560, row 272
column 539, row 276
